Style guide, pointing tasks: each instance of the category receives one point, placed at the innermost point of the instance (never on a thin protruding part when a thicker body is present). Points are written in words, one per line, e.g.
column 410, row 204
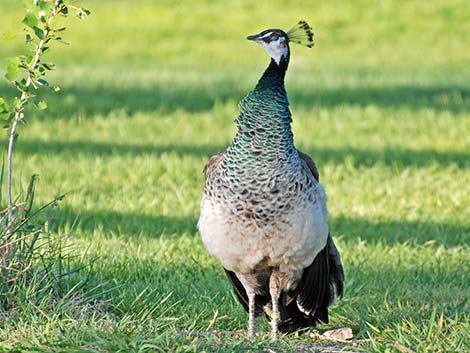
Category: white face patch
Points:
column 276, row 49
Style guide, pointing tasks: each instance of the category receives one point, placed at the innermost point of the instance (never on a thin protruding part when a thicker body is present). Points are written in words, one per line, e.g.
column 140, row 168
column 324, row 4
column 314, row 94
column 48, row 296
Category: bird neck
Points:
column 264, row 135
column 274, row 74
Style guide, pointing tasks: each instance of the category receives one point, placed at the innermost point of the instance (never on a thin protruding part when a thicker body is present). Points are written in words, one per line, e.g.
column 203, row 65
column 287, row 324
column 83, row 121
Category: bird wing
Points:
column 333, row 259
column 321, row 282
column 212, row 163
column 310, row 164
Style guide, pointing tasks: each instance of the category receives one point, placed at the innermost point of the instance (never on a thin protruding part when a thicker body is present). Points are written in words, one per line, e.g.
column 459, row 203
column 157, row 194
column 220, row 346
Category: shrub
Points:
column 33, row 261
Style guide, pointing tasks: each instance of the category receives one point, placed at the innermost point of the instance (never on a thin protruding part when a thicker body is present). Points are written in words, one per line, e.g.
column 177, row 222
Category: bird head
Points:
column 276, row 42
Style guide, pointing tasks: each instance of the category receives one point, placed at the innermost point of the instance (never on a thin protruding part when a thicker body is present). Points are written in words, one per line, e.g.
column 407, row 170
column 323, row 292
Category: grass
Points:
column 150, row 91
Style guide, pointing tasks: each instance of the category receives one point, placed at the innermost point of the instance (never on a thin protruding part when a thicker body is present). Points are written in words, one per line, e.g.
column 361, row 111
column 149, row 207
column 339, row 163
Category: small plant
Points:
column 32, row 260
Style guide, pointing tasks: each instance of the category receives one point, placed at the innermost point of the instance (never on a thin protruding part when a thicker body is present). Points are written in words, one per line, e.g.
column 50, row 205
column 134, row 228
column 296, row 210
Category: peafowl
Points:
column 263, row 210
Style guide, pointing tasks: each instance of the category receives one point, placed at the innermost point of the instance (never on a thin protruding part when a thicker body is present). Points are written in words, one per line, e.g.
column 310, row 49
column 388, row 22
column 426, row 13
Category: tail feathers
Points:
column 321, row 283
column 336, row 277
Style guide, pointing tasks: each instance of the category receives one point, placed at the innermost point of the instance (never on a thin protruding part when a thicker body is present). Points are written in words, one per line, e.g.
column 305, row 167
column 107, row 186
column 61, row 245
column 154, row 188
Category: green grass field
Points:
column 150, row 90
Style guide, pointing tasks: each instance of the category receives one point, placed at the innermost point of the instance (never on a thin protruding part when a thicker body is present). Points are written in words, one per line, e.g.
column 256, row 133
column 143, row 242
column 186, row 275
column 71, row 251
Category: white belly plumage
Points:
column 290, row 242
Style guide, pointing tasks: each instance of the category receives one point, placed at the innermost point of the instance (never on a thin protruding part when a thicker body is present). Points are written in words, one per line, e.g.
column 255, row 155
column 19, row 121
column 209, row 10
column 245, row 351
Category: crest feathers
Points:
column 301, row 34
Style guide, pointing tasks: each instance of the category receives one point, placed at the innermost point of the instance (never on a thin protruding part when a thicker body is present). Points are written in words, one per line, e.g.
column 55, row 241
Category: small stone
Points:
column 339, row 334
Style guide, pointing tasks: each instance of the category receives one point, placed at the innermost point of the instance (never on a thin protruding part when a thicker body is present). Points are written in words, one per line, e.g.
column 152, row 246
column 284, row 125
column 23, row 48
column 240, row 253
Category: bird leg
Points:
column 251, row 294
column 251, row 314
column 275, row 292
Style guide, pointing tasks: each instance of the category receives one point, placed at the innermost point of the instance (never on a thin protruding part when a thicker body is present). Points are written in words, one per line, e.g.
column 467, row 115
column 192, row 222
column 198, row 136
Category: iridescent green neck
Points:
column 264, row 124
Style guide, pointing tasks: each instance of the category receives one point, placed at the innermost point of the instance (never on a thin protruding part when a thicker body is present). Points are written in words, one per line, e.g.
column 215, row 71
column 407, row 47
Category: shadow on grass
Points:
column 164, row 97
column 130, row 224
column 390, row 156
column 126, row 224
column 399, row 232
column 394, row 157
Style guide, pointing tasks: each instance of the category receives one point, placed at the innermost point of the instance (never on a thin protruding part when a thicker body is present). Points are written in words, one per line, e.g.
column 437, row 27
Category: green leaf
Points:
column 22, row 88
column 43, row 5
column 41, row 105
column 16, row 103
column 64, row 11
column 60, row 40
column 39, row 32
column 14, row 60
column 13, row 69
column 48, row 66
column 4, row 107
column 30, row 20
column 42, row 16
column 29, row 60
column 29, row 38
column 83, row 13
column 55, row 88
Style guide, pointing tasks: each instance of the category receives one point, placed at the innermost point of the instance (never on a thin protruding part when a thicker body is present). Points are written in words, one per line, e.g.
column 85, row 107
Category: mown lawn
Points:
column 150, row 90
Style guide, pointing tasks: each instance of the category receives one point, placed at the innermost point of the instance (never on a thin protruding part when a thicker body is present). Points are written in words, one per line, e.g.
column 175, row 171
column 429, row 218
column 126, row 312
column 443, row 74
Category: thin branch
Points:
column 18, row 115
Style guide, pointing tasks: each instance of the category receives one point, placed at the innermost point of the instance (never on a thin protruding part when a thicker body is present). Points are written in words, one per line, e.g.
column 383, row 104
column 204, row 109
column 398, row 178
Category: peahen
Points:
column 263, row 211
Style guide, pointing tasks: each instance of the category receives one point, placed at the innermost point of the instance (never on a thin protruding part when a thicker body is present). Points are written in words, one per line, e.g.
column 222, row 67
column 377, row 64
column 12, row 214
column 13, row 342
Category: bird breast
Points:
column 279, row 224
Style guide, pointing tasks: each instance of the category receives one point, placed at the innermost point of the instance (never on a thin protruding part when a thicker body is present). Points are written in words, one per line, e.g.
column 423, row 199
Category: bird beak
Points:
column 254, row 37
